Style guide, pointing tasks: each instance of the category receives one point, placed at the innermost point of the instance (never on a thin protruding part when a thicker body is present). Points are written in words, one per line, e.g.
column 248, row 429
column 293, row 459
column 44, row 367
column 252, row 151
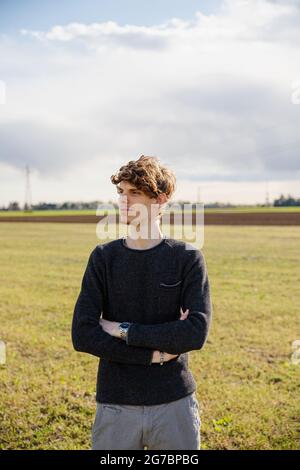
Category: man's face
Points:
column 130, row 195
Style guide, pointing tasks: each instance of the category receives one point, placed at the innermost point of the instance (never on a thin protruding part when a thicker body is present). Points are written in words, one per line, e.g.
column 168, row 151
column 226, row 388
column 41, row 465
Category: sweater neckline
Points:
column 163, row 240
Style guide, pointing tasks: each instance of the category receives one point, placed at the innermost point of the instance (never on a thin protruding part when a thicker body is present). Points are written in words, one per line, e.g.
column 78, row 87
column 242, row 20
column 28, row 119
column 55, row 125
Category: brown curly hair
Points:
column 149, row 175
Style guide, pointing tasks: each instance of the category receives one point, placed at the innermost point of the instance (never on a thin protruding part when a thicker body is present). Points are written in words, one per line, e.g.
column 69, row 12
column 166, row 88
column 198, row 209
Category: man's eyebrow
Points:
column 131, row 189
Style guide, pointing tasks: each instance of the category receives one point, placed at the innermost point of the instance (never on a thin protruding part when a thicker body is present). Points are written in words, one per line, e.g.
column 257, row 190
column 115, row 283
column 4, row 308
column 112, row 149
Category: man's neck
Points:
column 144, row 243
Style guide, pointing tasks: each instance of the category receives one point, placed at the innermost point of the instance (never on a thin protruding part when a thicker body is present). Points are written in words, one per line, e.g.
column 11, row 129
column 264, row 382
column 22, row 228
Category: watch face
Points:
column 125, row 325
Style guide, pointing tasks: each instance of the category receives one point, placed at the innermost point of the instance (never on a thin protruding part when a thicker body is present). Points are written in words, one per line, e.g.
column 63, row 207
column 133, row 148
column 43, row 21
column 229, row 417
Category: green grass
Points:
column 247, row 387
column 93, row 211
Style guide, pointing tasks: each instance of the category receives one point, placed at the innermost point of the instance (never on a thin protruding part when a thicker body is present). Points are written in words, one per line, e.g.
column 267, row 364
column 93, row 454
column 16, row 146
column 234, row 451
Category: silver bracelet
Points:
column 161, row 357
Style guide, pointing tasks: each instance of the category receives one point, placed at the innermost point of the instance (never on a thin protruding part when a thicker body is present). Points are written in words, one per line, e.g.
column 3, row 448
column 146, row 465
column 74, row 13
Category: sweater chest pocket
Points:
column 169, row 299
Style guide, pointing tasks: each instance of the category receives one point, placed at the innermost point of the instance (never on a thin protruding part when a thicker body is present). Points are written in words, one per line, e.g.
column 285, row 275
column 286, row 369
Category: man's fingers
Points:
column 187, row 310
column 184, row 315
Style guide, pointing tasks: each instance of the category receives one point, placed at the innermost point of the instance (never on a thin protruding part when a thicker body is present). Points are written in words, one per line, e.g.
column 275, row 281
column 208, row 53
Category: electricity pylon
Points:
column 28, row 203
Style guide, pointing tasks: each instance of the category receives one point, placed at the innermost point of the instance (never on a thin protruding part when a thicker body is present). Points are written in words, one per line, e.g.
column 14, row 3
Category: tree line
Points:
column 282, row 201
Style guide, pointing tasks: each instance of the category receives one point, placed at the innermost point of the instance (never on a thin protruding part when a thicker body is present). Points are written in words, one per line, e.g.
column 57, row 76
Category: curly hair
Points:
column 149, row 175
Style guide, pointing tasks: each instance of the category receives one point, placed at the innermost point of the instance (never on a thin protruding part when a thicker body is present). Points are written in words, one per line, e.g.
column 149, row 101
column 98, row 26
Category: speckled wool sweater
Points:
column 146, row 287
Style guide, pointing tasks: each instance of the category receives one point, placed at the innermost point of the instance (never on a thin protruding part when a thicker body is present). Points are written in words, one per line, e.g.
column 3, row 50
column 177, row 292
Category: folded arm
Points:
column 87, row 334
column 180, row 336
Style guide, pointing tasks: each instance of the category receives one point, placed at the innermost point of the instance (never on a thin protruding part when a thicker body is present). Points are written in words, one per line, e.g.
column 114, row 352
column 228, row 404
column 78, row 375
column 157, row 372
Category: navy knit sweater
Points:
column 146, row 287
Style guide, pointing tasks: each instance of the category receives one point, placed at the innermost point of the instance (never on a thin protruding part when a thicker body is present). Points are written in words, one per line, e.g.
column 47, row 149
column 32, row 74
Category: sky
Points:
column 212, row 88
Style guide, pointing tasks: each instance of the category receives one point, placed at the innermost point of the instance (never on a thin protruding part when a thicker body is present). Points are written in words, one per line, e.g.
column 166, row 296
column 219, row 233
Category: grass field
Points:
column 247, row 386
column 93, row 212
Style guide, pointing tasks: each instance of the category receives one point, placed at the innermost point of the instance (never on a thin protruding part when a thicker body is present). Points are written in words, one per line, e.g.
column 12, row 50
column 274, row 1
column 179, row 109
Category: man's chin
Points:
column 125, row 220
column 123, row 217
column 129, row 220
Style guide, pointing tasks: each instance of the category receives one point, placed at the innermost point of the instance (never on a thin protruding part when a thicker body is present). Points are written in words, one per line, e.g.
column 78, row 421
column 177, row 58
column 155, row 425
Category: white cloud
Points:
column 214, row 92
column 237, row 19
column 105, row 33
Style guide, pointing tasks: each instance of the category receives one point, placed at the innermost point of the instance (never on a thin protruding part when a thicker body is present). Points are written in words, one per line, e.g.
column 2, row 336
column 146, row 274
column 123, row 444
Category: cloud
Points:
column 237, row 19
column 46, row 148
column 108, row 33
column 213, row 92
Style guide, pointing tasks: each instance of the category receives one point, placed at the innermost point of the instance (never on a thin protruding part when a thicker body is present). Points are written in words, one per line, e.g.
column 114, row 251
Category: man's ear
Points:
column 162, row 198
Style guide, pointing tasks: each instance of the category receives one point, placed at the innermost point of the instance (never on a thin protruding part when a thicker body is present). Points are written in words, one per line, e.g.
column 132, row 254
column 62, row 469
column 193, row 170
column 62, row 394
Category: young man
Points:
column 154, row 296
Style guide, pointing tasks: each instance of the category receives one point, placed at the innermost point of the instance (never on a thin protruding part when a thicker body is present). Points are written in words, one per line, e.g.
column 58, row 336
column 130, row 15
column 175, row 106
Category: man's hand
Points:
column 168, row 356
column 183, row 315
column 111, row 327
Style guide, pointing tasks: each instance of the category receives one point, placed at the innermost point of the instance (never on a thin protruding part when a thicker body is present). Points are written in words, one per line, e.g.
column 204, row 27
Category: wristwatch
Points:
column 124, row 327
